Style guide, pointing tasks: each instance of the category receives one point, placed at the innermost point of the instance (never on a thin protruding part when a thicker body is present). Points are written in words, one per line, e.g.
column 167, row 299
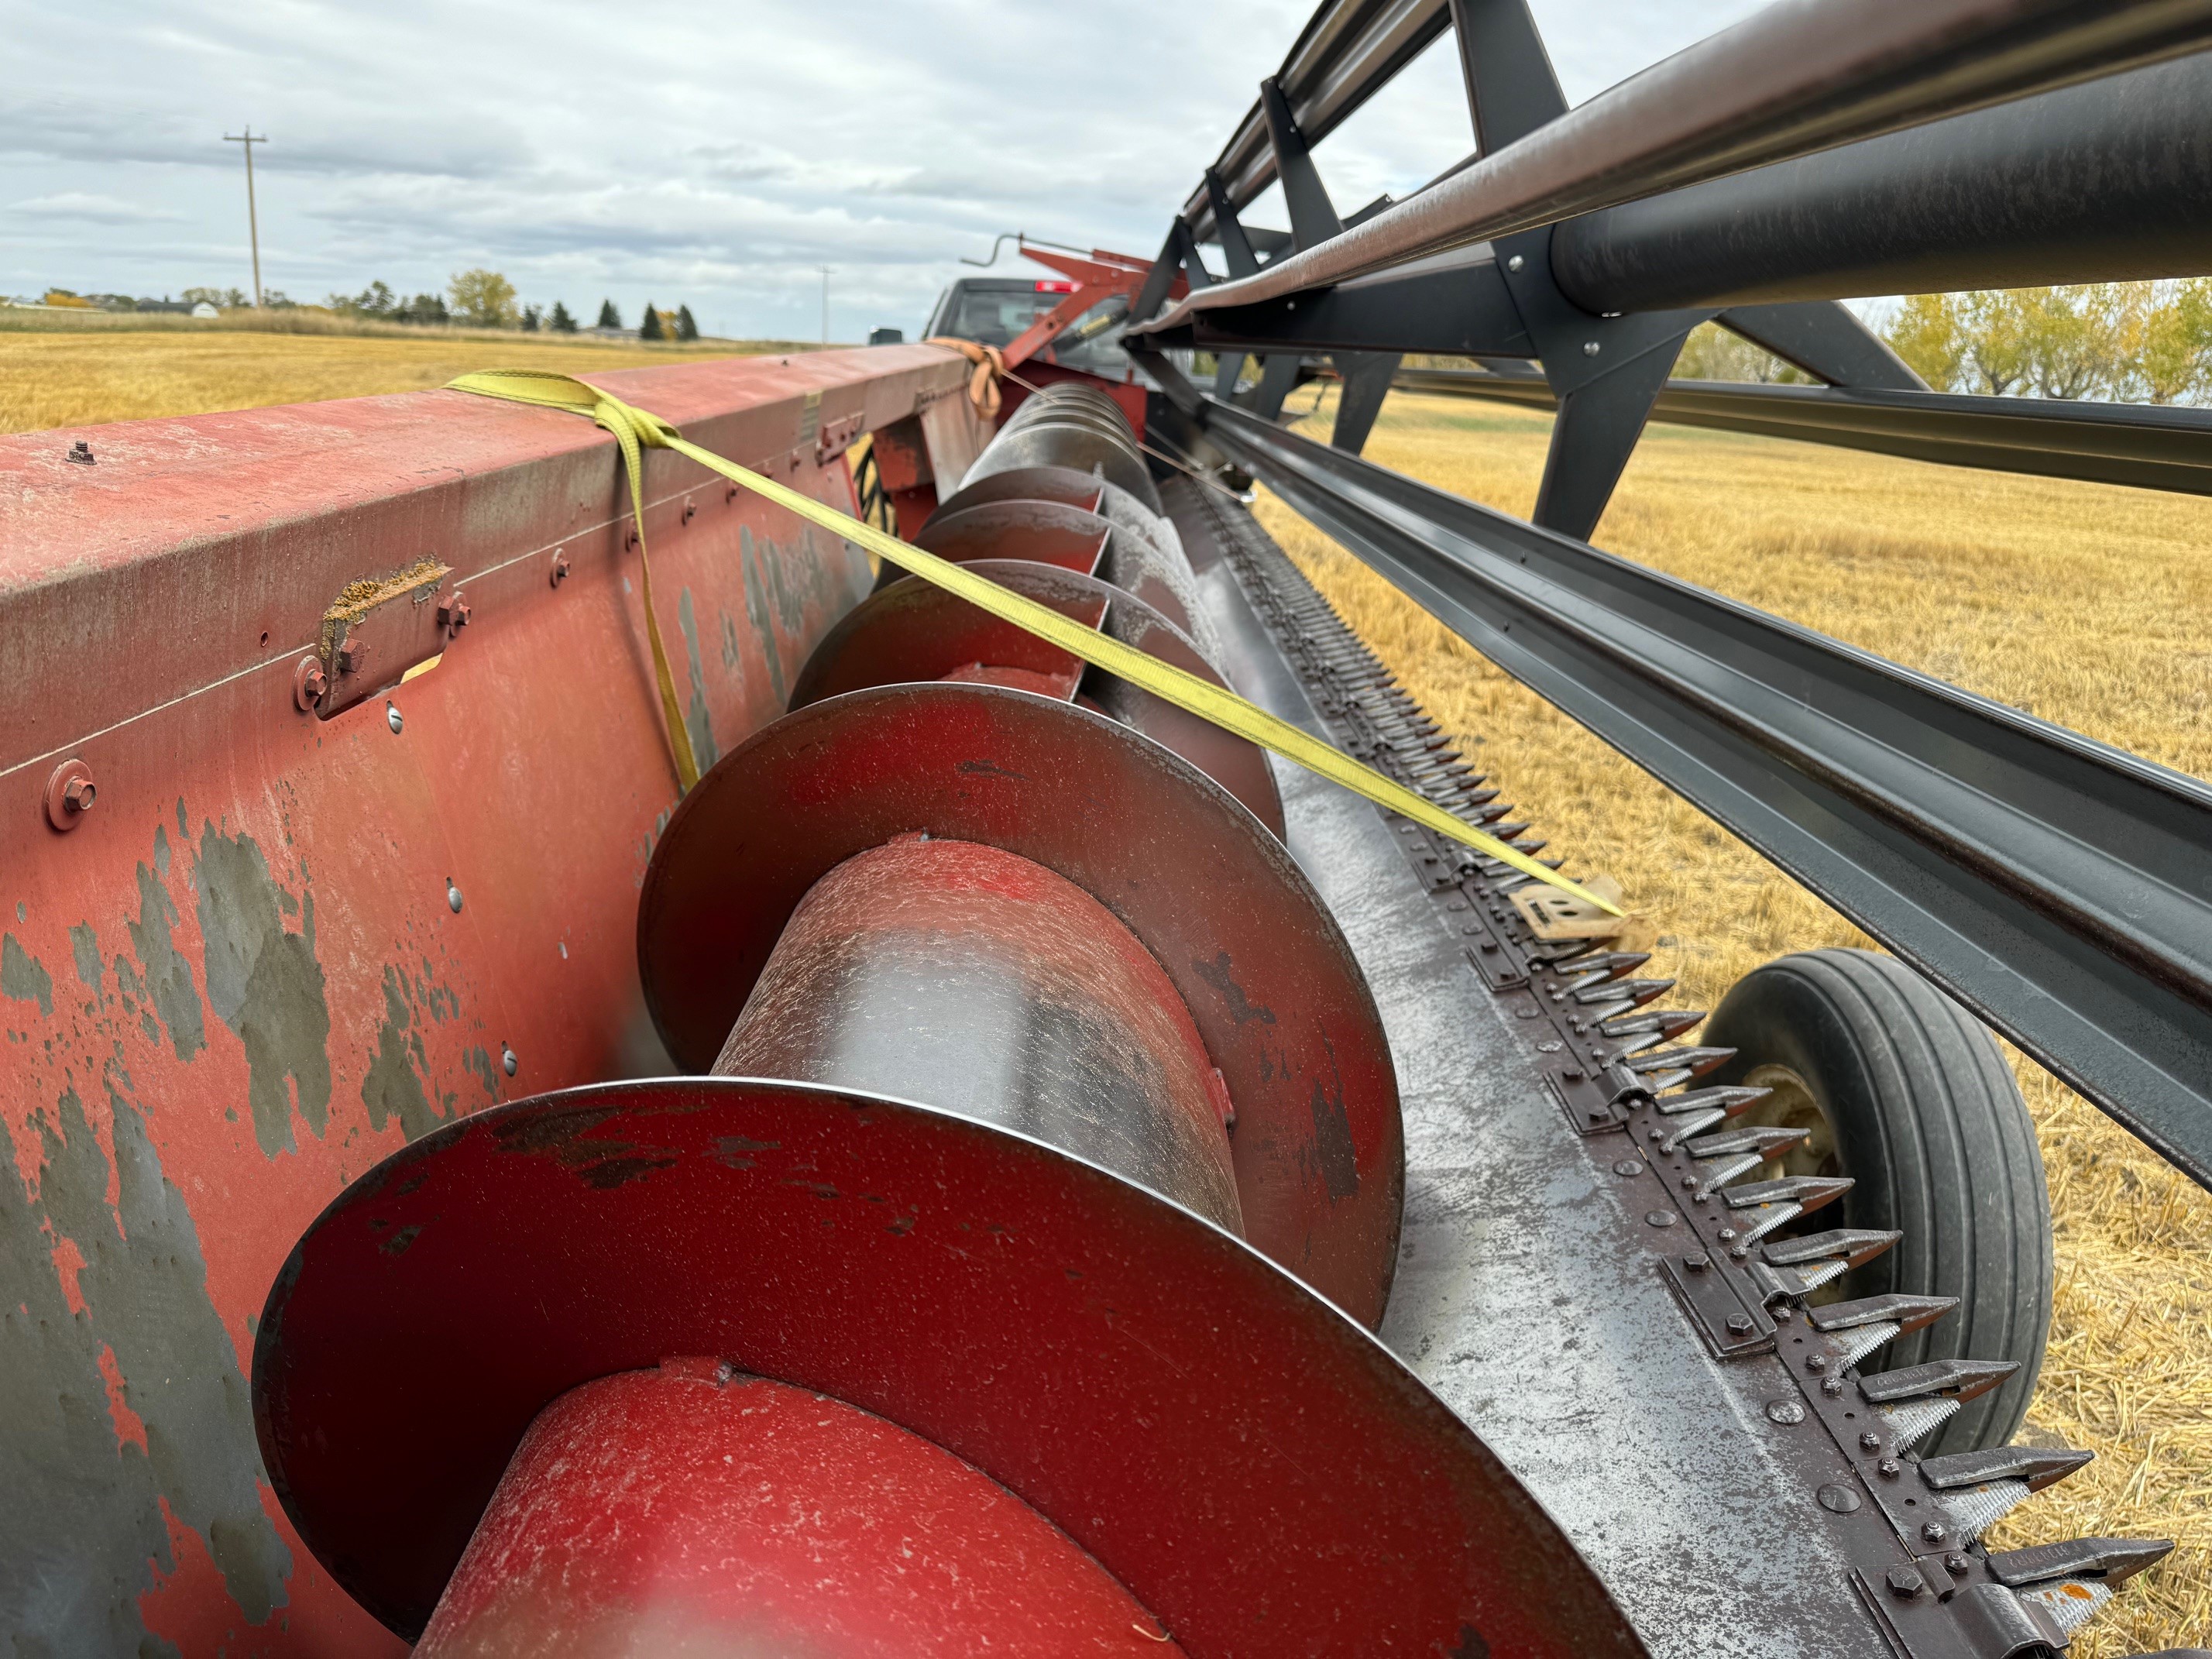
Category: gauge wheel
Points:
column 1907, row 1094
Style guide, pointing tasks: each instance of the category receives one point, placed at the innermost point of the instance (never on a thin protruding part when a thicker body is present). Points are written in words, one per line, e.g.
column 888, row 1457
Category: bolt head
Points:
column 453, row 613
column 1658, row 1217
column 393, row 719
column 508, row 1063
column 453, row 897
column 1516, row 263
column 69, row 794
column 1628, row 1166
column 560, row 573
column 1697, row 1263
column 1783, row 1411
column 1905, row 1583
column 1591, row 347
column 309, row 682
column 1740, row 1324
column 1889, row 1469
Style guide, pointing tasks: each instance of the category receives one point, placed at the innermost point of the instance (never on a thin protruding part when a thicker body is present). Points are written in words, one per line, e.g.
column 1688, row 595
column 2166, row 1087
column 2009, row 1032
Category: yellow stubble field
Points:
column 2083, row 605
column 2087, row 605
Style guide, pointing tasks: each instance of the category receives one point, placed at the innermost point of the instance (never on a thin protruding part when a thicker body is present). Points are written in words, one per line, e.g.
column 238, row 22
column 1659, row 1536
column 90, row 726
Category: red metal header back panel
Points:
column 276, row 946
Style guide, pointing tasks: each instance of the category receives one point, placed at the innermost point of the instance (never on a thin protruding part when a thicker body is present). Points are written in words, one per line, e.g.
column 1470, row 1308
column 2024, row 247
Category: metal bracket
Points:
column 377, row 630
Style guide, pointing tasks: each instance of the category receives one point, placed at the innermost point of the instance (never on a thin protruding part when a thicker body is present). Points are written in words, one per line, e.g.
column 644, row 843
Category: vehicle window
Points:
column 996, row 319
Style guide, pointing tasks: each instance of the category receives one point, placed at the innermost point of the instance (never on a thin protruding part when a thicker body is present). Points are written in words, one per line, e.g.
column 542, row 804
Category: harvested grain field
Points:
column 2081, row 604
column 55, row 377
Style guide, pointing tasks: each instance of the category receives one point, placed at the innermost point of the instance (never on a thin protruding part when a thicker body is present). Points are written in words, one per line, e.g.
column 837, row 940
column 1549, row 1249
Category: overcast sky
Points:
column 713, row 155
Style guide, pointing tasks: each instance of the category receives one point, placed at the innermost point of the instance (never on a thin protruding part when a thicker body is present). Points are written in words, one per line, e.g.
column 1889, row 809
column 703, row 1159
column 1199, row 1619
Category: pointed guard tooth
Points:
column 2032, row 1464
column 1907, row 1313
column 1757, row 1138
column 1668, row 1023
column 1729, row 1099
column 1634, row 993
column 2114, row 1560
column 1695, row 1062
column 1807, row 1192
column 1856, row 1246
column 1963, row 1379
column 1612, row 965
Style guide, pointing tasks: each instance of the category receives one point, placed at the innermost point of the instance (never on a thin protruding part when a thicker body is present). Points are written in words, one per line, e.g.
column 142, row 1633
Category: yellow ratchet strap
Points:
column 635, row 429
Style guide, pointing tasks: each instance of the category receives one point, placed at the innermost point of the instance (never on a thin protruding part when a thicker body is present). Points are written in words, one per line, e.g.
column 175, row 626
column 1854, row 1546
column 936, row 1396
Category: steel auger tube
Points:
column 2108, row 181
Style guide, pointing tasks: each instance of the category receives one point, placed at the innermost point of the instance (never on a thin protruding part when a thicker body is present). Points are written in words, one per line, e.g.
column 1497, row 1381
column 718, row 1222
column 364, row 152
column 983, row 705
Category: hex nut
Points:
column 1905, row 1583
column 71, row 794
column 309, row 682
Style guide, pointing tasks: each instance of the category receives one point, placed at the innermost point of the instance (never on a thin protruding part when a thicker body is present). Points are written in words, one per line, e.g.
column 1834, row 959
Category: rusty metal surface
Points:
column 1044, row 532
column 977, row 981
column 276, row 947
column 651, row 1512
column 1260, row 964
column 914, row 630
column 911, row 629
column 1261, row 1474
column 1063, row 484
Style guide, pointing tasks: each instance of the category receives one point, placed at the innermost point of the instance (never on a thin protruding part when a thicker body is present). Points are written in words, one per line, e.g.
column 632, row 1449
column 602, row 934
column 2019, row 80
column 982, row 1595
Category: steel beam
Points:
column 2106, row 182
column 2058, row 888
column 1788, row 82
column 2145, row 448
column 1456, row 304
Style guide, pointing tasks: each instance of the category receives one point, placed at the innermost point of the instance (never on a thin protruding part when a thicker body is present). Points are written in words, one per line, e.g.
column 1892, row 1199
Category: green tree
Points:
column 650, row 329
column 686, row 329
column 2166, row 340
column 531, row 316
column 1927, row 332
column 1712, row 353
column 1999, row 327
column 561, row 322
column 483, row 299
column 609, row 317
column 2073, row 338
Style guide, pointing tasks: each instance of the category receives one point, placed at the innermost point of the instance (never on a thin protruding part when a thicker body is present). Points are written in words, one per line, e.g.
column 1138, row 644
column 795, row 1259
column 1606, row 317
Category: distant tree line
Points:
column 485, row 299
column 2147, row 343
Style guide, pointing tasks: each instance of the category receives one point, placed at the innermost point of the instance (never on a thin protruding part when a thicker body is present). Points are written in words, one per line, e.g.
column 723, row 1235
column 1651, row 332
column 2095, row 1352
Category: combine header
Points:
column 1001, row 1163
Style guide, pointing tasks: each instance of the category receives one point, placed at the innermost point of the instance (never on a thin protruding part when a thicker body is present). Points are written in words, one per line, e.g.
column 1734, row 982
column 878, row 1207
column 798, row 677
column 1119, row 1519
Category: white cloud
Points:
column 665, row 151
column 91, row 208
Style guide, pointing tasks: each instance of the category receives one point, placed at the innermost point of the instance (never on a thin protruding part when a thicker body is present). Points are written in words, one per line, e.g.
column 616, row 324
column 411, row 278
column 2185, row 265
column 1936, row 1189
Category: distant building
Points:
column 886, row 337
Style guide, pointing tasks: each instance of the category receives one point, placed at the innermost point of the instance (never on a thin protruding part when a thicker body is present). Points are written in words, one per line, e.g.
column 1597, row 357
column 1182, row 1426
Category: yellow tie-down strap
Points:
column 636, row 429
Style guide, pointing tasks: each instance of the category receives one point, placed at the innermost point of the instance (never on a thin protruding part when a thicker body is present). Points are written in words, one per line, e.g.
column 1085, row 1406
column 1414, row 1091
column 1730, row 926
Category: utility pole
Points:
column 253, row 222
column 825, row 307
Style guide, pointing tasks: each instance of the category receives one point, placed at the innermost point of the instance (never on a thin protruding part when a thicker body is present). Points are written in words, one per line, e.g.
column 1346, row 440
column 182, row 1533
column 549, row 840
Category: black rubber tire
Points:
column 1922, row 1113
